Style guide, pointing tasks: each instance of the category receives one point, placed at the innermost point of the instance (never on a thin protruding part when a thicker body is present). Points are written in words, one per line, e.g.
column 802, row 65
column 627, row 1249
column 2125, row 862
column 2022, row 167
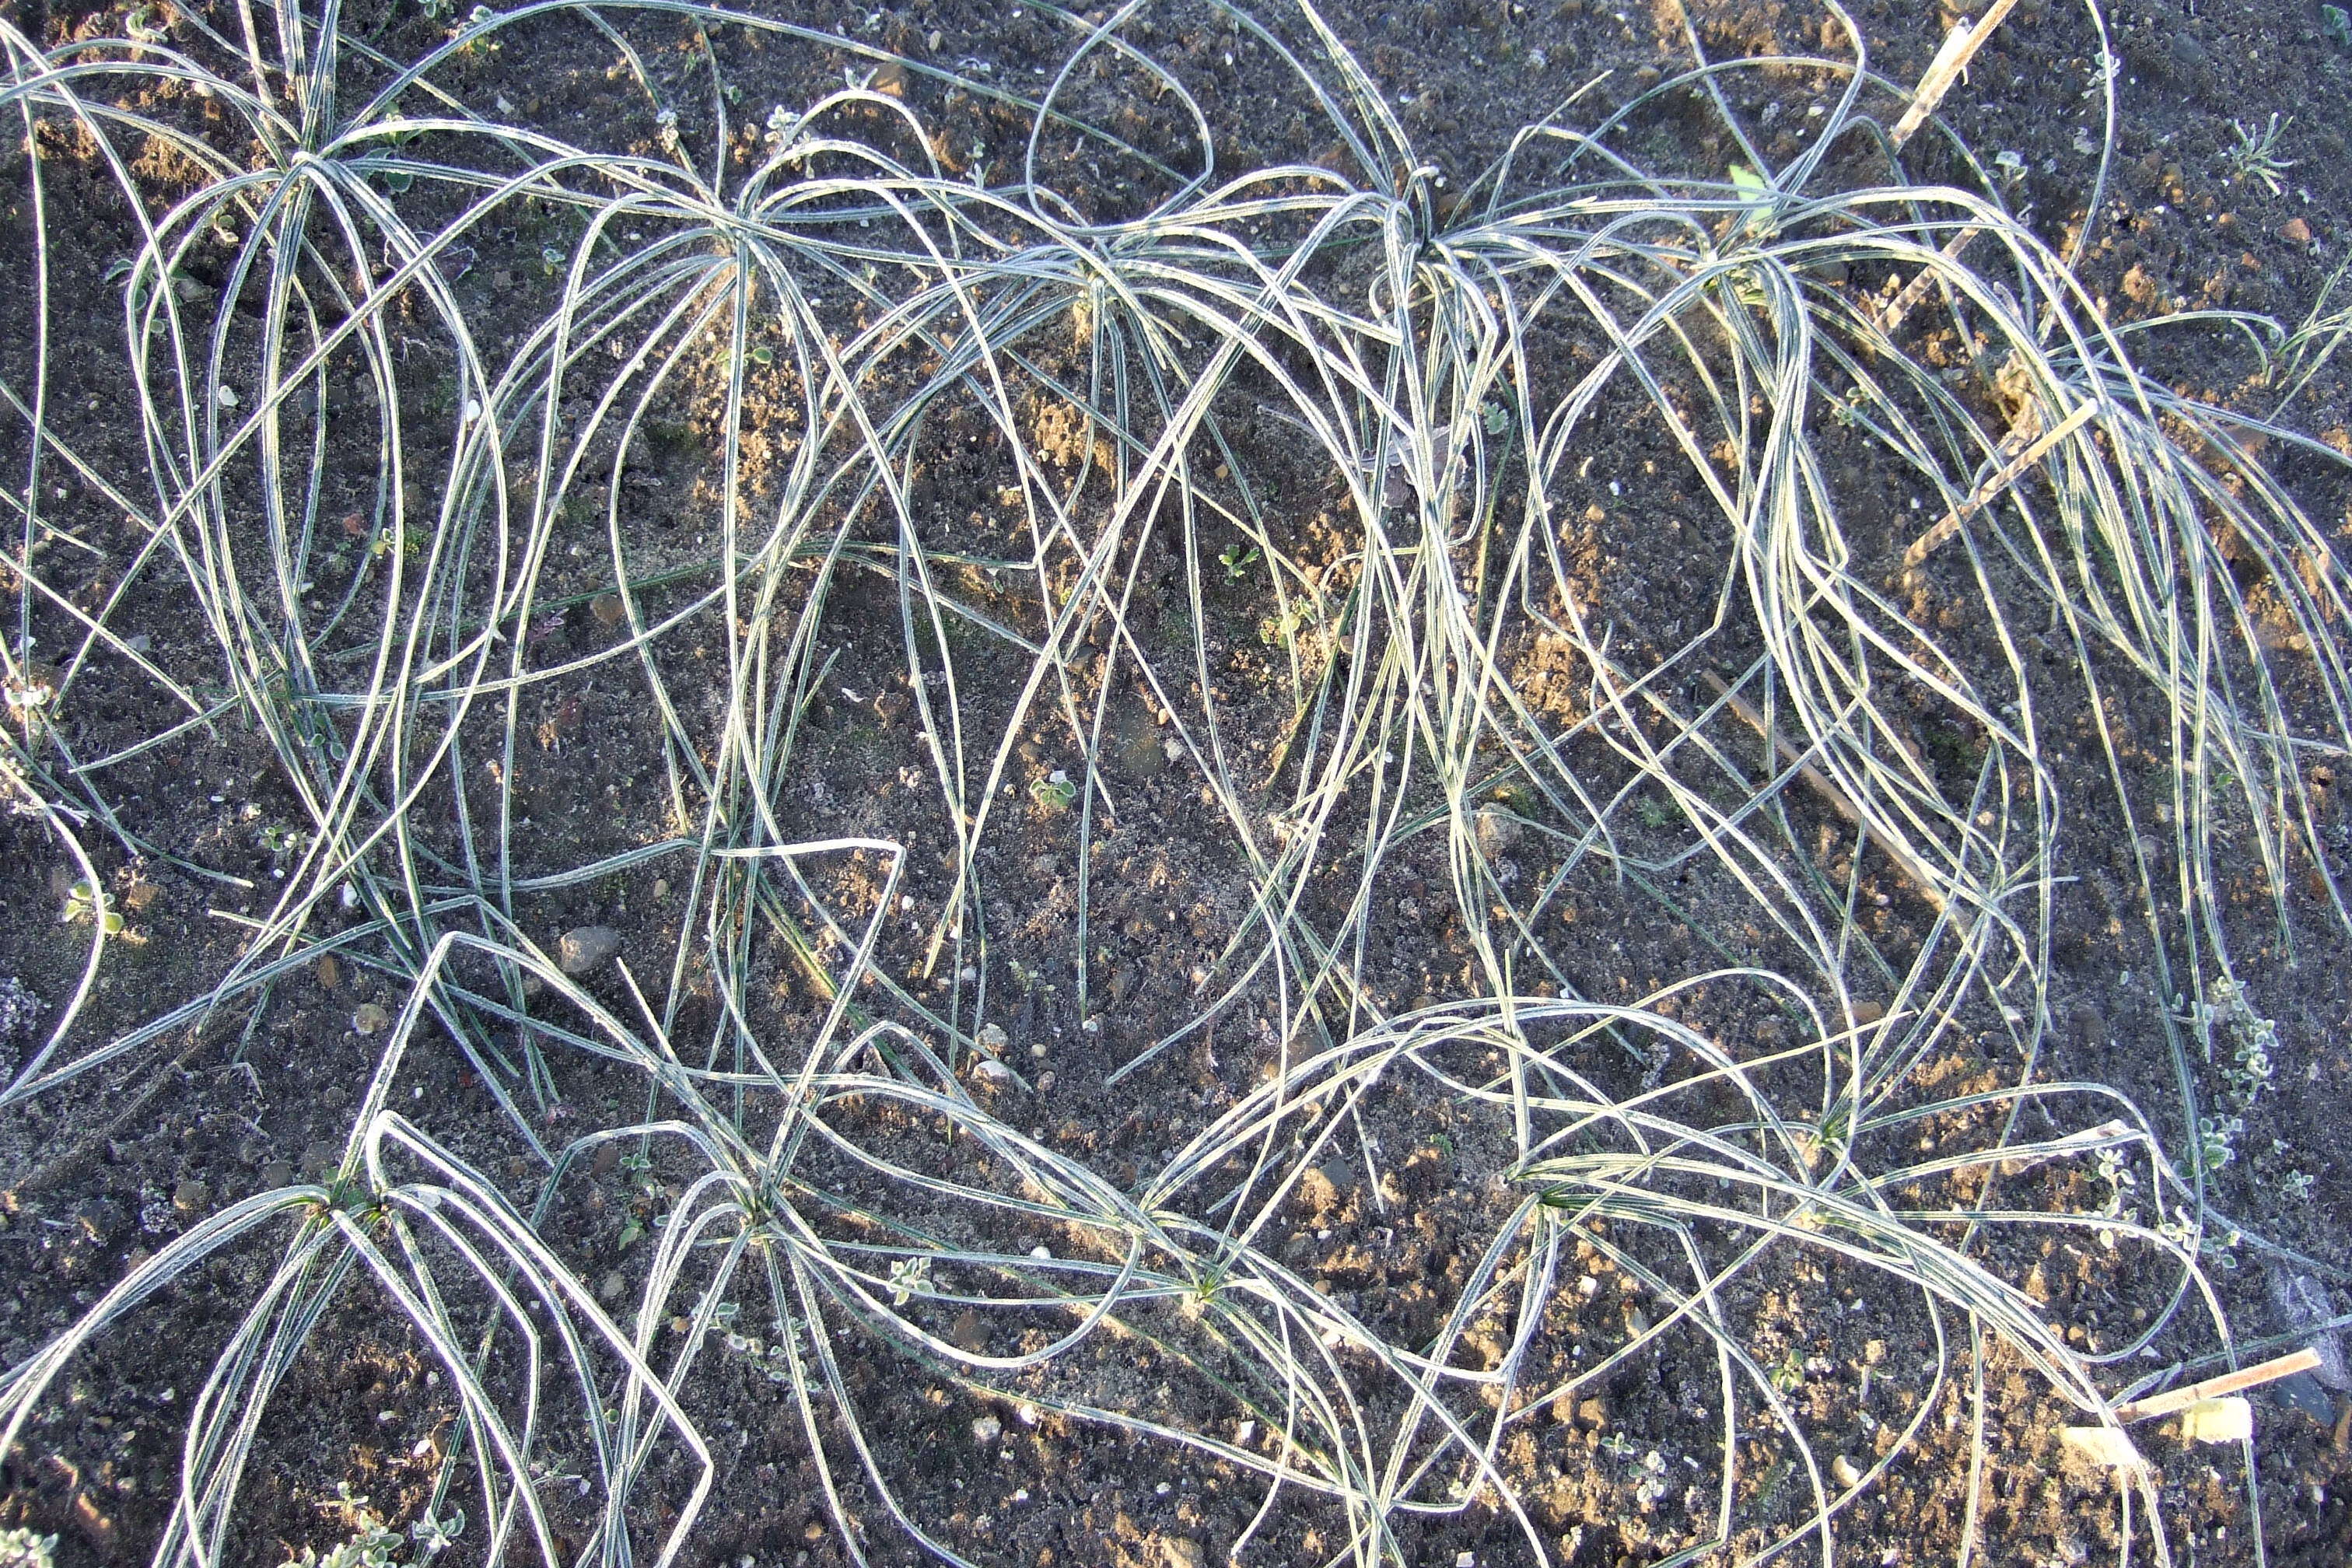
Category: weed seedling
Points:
column 87, row 901
column 1237, row 558
column 2255, row 157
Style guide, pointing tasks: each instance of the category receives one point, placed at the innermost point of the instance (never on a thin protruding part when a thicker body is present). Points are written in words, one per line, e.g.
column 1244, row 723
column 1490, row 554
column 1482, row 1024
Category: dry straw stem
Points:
column 1960, row 45
column 2228, row 1382
column 1921, row 877
column 1952, row 522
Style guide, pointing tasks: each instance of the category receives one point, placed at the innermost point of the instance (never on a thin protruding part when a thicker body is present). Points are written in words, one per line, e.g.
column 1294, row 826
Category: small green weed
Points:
column 85, row 901
column 2255, row 157
column 21, row 1548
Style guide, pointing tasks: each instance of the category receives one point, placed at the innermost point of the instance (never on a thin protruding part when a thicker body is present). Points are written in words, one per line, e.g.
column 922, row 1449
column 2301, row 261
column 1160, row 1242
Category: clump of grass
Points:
column 383, row 527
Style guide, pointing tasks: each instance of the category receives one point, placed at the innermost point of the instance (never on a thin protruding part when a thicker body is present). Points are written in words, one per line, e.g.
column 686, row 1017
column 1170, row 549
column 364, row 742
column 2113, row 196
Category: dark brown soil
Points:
column 98, row 1174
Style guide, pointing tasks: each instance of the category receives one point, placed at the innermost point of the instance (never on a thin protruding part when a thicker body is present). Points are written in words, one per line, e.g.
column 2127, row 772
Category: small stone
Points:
column 371, row 1019
column 2294, row 231
column 611, row 1289
column 993, row 1040
column 890, row 76
column 102, row 1220
column 988, row 1070
column 1131, row 743
column 608, row 609
column 1177, row 1552
column 276, row 1174
column 987, row 1429
column 319, row 1160
column 330, row 973
column 1842, row 1472
column 812, row 1531
column 192, row 1197
column 583, row 948
column 1500, row 830
column 2302, row 1305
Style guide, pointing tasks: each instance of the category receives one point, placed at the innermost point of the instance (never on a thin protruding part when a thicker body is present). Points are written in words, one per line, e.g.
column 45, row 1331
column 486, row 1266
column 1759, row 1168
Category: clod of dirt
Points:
column 2294, row 231
column 1500, row 830
column 608, row 609
column 583, row 948
column 1179, row 1553
column 330, row 973
column 371, row 1019
column 2302, row 1305
column 192, row 1198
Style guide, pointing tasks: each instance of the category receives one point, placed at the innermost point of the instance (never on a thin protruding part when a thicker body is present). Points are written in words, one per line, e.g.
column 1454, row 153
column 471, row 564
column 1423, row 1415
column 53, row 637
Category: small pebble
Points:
column 608, row 609
column 987, row 1429
column 371, row 1019
column 582, row 949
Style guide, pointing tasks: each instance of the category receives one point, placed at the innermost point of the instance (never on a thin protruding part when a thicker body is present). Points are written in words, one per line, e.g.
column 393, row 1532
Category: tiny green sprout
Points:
column 1757, row 193
column 2336, row 25
column 2010, row 164
column 20, row 1548
column 762, row 354
column 1790, row 1375
column 2255, row 157
column 551, row 260
column 1055, row 792
column 87, row 901
column 1497, row 419
column 1237, row 558
column 1653, row 812
column 910, row 1277
column 1443, row 1144
column 434, row 1536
